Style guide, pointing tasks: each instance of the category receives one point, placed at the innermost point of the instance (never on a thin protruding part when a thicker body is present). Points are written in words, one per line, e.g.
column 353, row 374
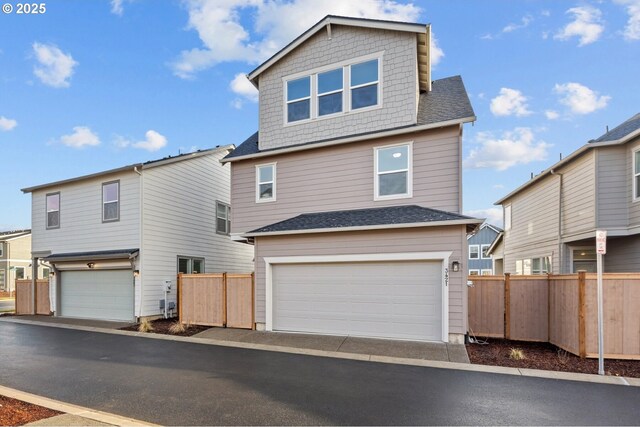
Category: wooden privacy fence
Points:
column 220, row 299
column 560, row 309
column 24, row 297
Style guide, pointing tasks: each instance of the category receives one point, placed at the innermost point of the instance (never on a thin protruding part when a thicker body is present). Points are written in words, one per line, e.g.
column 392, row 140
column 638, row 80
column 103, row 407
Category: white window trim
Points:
column 319, row 95
column 1, row 249
column 409, row 256
column 227, row 219
column 482, row 251
column 46, row 210
column 634, row 175
column 409, row 194
column 190, row 260
column 478, row 248
column 346, row 89
column 486, row 269
column 310, row 98
column 474, row 270
column 117, row 200
column 273, row 198
column 507, row 224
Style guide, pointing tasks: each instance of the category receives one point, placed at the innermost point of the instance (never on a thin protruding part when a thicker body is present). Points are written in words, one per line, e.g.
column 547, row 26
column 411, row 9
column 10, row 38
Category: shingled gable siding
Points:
column 434, row 239
column 342, row 177
column 399, row 85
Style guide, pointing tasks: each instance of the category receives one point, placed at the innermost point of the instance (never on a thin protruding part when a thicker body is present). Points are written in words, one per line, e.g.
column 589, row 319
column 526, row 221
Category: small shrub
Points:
column 516, row 354
column 563, row 356
column 177, row 328
column 145, row 326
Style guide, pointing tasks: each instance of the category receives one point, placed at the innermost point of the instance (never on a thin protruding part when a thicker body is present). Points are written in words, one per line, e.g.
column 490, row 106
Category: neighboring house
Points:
column 15, row 259
column 351, row 190
column 496, row 252
column 114, row 238
column 480, row 262
column 550, row 221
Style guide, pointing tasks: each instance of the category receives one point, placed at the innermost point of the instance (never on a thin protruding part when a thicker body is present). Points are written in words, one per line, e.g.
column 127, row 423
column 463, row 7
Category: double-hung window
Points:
column 299, row 99
column 636, row 175
column 330, row 92
column 53, row 210
column 393, row 172
column 266, row 183
column 111, row 201
column 485, row 255
column 474, row 252
column 223, row 218
column 364, row 84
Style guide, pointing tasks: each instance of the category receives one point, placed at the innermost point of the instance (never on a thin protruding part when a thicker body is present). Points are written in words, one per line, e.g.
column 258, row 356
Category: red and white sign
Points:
column 601, row 242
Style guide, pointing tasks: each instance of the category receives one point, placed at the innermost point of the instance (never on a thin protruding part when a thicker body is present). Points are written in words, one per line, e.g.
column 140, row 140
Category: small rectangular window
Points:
column 265, row 183
column 507, row 217
column 299, row 99
column 364, row 84
column 474, row 272
column 1, row 249
column 111, row 201
column 19, row 272
column 3, row 283
column 636, row 175
column 190, row 265
column 330, row 92
column 485, row 248
column 53, row 210
column 474, row 252
column 45, row 273
column 223, row 218
column 392, row 171
column 487, row 272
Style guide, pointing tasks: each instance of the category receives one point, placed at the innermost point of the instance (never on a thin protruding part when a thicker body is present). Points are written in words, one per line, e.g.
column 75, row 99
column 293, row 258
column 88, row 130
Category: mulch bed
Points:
column 17, row 413
column 546, row 356
column 161, row 326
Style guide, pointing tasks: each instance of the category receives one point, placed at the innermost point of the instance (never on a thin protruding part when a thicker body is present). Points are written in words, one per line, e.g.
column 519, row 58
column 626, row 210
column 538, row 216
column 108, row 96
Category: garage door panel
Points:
column 383, row 299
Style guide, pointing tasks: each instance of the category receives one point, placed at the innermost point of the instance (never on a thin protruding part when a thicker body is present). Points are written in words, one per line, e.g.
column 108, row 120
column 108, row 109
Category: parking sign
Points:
column 601, row 241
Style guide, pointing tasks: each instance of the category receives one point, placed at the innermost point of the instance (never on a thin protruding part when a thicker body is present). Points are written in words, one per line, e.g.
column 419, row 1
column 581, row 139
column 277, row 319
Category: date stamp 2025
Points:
column 24, row 8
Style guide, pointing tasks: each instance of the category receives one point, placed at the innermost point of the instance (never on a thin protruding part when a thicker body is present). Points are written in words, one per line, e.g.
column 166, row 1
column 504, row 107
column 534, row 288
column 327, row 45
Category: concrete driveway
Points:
column 7, row 305
column 179, row 383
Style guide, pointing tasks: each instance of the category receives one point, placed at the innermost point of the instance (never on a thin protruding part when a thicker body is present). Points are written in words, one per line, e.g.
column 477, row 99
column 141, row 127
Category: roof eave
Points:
column 81, row 178
column 92, row 257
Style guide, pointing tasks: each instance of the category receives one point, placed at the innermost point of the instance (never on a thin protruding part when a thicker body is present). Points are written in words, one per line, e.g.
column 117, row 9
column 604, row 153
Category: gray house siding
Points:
column 634, row 206
column 429, row 239
column 342, row 177
column 614, row 187
column 578, row 201
column 485, row 236
column 399, row 85
column 623, row 255
column 179, row 218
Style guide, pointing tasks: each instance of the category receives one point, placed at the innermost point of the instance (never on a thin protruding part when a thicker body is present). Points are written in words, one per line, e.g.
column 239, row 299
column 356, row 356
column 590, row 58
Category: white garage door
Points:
column 104, row 295
column 383, row 299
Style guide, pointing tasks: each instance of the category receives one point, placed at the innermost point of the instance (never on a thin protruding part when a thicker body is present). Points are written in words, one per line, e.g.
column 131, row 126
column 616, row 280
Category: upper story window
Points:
column 485, row 255
column 341, row 88
column 223, row 218
column 266, row 183
column 393, row 172
column 541, row 265
column 111, row 201
column 636, row 175
column 507, row 217
column 53, row 210
column 1, row 249
column 474, row 252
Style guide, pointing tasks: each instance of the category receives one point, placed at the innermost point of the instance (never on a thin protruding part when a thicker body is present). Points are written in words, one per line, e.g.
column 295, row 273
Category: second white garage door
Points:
column 383, row 299
column 96, row 294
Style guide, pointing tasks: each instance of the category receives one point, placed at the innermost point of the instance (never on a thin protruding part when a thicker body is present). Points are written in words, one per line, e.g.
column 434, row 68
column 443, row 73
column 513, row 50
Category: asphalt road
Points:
column 7, row 304
column 176, row 383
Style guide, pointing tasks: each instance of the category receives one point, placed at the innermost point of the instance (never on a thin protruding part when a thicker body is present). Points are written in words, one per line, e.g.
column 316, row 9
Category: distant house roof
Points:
column 12, row 234
column 495, row 243
column 621, row 134
column 364, row 219
column 92, row 255
column 445, row 104
column 145, row 165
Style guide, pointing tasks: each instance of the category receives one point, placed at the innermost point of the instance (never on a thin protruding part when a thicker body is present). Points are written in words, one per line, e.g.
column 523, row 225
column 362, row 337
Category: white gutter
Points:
column 368, row 227
column 382, row 134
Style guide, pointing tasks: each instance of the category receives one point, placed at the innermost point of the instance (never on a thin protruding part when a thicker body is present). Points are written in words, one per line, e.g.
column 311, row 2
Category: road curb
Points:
column 538, row 373
column 71, row 409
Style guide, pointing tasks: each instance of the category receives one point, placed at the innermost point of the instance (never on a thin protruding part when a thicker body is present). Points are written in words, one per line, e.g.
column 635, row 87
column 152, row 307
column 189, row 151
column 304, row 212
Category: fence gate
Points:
column 24, row 297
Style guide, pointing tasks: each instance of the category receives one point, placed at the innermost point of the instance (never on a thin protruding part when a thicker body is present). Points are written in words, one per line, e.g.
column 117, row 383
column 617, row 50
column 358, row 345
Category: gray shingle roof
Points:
column 447, row 100
column 622, row 130
column 410, row 214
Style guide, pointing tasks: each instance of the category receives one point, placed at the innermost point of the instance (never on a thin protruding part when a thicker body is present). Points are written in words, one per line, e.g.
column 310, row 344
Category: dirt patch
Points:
column 546, row 356
column 162, row 326
column 17, row 413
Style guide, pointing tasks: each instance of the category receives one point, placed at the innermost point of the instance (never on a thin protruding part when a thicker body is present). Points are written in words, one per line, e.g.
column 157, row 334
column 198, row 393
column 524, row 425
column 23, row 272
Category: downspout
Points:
column 560, row 212
column 141, row 188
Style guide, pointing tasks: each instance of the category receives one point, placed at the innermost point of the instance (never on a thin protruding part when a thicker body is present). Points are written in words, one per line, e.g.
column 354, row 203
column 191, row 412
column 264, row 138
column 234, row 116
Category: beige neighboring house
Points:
column 15, row 259
column 550, row 221
column 351, row 190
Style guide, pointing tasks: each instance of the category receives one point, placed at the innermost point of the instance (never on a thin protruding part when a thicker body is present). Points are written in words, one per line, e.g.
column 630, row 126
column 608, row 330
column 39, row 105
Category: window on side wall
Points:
column 330, row 92
column 488, row 272
column 266, row 183
column 507, row 217
column 474, row 252
column 364, row 84
column 538, row 265
column 223, row 218
column 190, row 265
column 111, row 201
column 53, row 210
column 1, row 249
column 19, row 272
column 299, row 99
column 393, row 172
column 474, row 272
column 636, row 175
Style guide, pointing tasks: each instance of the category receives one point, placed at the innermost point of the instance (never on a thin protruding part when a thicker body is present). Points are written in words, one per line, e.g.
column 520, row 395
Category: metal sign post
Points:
column 601, row 249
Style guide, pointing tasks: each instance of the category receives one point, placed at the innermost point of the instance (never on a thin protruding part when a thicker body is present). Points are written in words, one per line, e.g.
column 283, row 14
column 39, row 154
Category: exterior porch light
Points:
column 91, row 264
column 136, row 273
column 455, row 266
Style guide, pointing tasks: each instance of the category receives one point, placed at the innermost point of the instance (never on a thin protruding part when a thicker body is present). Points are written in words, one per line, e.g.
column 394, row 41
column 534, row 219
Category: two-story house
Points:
column 480, row 261
column 551, row 220
column 351, row 190
column 15, row 258
column 116, row 239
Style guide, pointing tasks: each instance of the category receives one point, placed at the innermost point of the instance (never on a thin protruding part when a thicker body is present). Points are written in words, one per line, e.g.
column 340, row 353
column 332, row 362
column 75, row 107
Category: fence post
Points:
column 507, row 305
column 224, row 298
column 179, row 297
column 253, row 301
column 582, row 302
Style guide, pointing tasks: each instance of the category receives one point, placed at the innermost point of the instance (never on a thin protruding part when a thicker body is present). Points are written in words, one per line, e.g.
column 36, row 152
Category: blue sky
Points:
column 88, row 86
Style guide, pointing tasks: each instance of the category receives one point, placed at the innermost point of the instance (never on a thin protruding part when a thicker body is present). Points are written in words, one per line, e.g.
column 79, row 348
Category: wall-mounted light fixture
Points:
column 52, row 273
column 136, row 273
column 91, row 264
column 455, row 266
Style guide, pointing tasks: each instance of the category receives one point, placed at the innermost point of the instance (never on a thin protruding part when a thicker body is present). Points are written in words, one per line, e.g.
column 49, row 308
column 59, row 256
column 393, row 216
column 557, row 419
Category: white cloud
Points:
column 551, row 114
column 56, row 67
column 7, row 124
column 632, row 29
column 153, row 142
column 243, row 87
column 498, row 186
column 509, row 102
column 524, row 22
column 116, row 7
column 436, row 52
column 81, row 137
column 587, row 25
column 493, row 215
column 580, row 99
column 512, row 148
column 225, row 37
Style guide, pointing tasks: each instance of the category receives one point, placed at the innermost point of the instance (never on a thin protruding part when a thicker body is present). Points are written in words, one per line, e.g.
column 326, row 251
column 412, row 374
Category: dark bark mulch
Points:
column 17, row 413
column 161, row 326
column 546, row 356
